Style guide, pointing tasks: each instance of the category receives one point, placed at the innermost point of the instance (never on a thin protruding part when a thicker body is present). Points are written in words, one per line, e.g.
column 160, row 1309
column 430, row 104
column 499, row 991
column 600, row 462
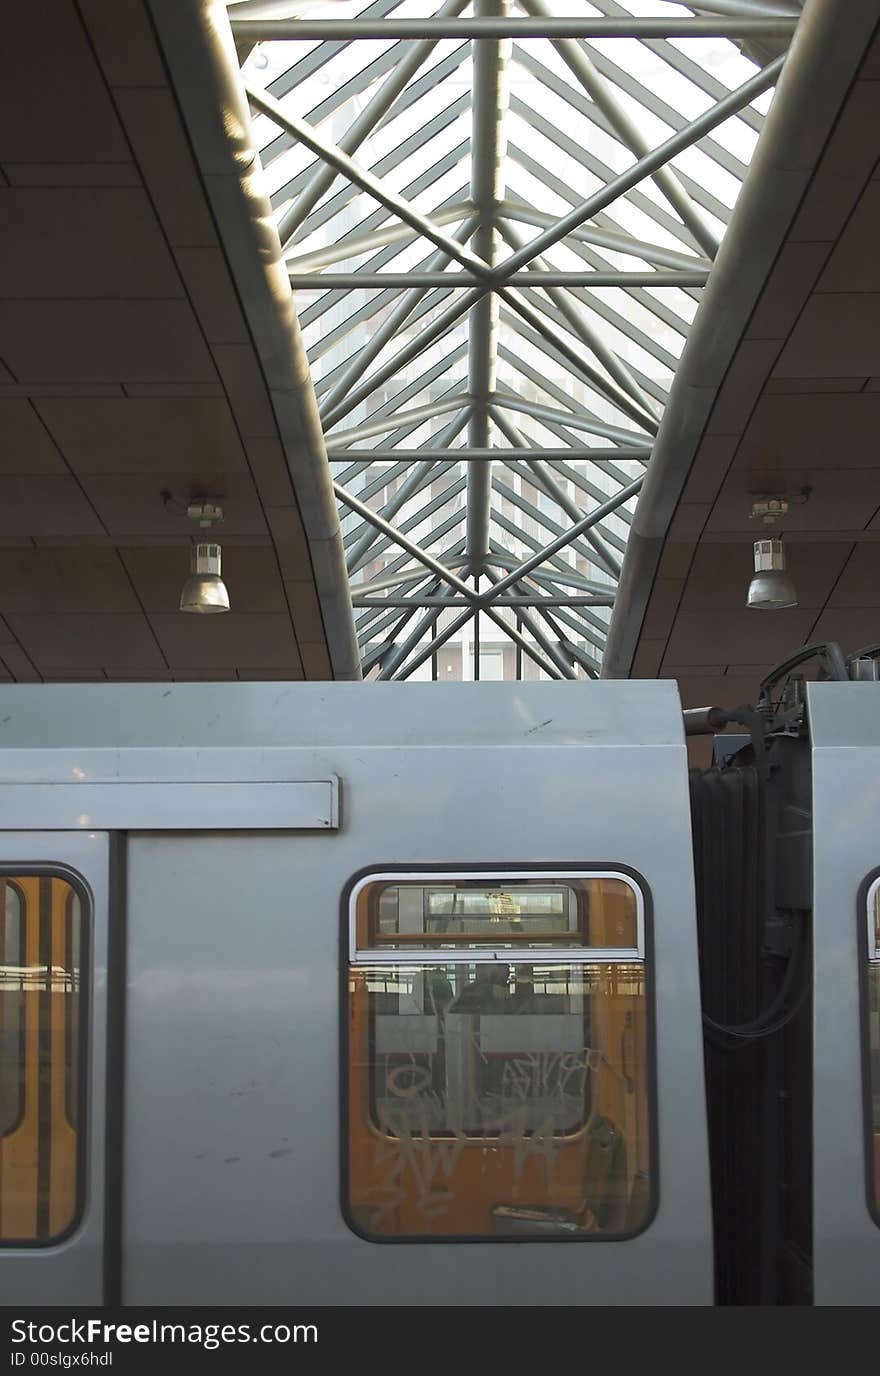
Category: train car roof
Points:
column 307, row 715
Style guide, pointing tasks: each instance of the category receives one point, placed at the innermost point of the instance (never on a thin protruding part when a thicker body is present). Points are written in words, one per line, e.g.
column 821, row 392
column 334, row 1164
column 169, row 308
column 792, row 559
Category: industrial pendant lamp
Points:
column 771, row 588
column 204, row 591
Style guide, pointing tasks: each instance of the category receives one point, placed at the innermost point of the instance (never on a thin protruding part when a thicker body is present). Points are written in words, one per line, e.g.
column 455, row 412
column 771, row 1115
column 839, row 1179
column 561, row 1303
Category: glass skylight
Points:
column 495, row 278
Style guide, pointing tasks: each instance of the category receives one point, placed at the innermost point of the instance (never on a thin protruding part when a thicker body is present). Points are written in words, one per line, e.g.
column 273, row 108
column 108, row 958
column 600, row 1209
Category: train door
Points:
column 446, row 1053
column 845, row 733
column 53, row 1018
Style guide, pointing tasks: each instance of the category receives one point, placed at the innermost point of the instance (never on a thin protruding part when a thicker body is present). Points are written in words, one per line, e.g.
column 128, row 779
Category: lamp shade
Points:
column 204, row 591
column 771, row 588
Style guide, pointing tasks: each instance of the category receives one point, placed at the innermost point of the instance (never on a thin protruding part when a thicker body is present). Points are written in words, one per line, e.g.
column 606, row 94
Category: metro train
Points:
column 440, row 994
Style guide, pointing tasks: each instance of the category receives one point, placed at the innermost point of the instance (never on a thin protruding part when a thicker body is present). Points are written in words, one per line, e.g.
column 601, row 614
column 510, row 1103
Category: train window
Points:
column 498, row 1057
column 41, row 1017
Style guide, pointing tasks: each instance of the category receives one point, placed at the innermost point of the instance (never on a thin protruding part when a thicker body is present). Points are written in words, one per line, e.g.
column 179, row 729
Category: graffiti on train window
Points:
column 499, row 1092
column 513, row 911
column 41, row 1017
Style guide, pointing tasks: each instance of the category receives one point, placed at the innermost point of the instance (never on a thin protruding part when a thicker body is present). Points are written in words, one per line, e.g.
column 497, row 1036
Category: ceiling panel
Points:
column 81, row 242
column 56, row 641
column 20, row 666
column 852, row 627
column 847, row 163
column 123, row 39
column 289, row 539
column 859, row 582
column 45, row 504
column 207, row 280
column 775, row 385
column 305, row 610
column 803, row 431
column 796, row 271
column 61, row 675
column 847, row 318
column 178, row 435
column 103, row 341
column 216, row 675
column 245, row 641
column 269, row 467
column 25, row 444
column 98, row 174
column 739, row 636
column 315, row 660
column 73, row 120
column 67, row 579
column 855, row 264
column 152, row 123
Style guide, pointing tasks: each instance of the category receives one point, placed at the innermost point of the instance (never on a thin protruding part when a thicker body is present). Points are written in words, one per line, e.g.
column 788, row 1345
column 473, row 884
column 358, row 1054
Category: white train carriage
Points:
column 455, row 994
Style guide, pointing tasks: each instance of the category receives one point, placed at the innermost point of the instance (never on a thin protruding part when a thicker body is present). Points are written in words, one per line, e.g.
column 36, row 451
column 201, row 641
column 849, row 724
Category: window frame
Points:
column 869, row 954
column 22, row 917
column 642, row 953
column 30, row 869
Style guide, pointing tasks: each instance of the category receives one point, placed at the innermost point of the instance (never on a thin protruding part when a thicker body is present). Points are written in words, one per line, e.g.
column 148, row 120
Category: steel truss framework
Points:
column 498, row 219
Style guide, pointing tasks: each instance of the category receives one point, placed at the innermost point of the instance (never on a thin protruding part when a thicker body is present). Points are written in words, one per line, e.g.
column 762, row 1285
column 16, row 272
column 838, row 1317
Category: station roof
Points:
column 497, row 221
column 778, row 393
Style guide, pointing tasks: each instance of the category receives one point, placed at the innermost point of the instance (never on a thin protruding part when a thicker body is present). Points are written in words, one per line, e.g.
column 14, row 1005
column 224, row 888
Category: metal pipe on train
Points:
column 704, row 721
column 324, row 993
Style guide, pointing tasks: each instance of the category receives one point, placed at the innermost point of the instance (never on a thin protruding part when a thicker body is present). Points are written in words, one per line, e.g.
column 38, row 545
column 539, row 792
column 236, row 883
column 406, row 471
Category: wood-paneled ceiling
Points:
column 798, row 410
column 127, row 370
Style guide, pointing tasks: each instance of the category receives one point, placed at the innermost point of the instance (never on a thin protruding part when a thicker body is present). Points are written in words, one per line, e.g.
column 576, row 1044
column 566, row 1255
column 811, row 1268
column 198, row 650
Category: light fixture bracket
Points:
column 206, row 513
column 770, row 507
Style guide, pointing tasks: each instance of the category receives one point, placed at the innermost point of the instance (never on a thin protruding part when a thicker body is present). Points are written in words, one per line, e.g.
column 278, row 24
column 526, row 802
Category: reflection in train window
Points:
column 41, row 1016
column 73, row 964
column 512, row 910
column 498, row 1087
